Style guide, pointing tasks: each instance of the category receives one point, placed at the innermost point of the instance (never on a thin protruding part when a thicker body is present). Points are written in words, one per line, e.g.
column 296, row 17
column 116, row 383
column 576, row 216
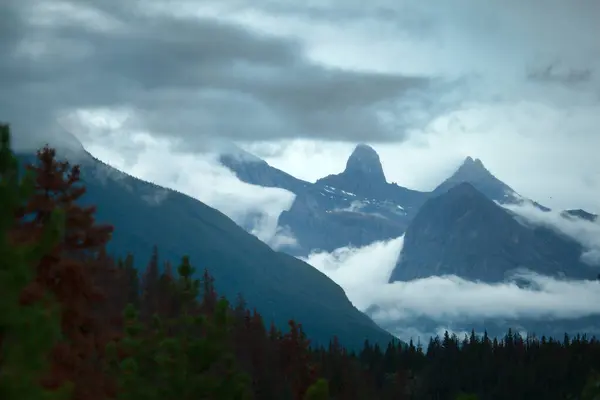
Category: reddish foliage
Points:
column 68, row 271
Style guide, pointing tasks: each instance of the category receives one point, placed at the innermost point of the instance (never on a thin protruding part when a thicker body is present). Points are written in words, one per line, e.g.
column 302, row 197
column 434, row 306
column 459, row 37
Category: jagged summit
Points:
column 471, row 169
column 364, row 162
column 474, row 172
column 364, row 176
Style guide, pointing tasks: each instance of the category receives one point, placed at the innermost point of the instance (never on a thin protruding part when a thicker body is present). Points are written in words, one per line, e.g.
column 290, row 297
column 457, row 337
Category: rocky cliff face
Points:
column 462, row 232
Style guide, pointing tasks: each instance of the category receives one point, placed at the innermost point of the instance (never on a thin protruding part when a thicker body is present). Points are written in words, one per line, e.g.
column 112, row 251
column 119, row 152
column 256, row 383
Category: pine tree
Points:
column 179, row 357
column 131, row 357
column 67, row 271
column 28, row 329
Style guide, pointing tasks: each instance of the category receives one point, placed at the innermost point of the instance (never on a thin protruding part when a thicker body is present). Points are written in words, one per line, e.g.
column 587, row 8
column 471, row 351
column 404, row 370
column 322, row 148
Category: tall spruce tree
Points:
column 69, row 271
column 29, row 329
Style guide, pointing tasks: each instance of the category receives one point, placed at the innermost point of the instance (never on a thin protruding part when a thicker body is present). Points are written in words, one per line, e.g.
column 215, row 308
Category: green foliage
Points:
column 28, row 329
column 318, row 391
column 183, row 357
column 130, row 367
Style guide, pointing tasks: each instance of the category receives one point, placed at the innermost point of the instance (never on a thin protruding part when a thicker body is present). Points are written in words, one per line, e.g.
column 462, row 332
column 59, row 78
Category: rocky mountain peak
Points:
column 471, row 169
column 364, row 162
column 474, row 172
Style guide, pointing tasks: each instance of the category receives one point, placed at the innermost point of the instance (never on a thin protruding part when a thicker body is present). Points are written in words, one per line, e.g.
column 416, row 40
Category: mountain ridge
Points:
column 375, row 215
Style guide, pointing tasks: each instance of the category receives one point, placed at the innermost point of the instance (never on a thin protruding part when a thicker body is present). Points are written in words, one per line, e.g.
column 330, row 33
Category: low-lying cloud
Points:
column 425, row 307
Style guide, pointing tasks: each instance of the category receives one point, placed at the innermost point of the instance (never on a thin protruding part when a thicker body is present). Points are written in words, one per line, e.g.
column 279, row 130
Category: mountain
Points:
column 327, row 217
column 278, row 285
column 457, row 229
column 474, row 172
column 358, row 207
column 364, row 177
column 463, row 232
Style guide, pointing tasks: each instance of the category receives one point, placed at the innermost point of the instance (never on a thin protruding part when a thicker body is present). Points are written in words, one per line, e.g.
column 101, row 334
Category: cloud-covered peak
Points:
column 364, row 163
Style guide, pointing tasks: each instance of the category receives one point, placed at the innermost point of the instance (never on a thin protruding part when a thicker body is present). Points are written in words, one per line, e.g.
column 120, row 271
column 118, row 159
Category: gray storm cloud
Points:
column 185, row 77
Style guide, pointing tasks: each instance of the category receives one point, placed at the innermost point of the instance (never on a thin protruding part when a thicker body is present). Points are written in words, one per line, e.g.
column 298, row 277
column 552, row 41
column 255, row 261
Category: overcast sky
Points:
column 515, row 83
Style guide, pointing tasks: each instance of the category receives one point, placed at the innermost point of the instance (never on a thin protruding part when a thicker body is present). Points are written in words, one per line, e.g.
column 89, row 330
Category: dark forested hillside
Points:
column 78, row 323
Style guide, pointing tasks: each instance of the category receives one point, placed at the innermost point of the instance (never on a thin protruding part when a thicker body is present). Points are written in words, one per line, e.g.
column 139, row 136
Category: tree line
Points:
column 78, row 323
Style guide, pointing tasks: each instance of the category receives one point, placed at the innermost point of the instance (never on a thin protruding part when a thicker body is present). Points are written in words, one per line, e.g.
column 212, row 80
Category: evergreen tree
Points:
column 29, row 326
column 68, row 271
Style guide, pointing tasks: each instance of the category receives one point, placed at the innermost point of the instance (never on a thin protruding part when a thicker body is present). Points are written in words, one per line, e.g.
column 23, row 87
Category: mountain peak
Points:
column 364, row 161
column 463, row 232
column 471, row 168
column 474, row 172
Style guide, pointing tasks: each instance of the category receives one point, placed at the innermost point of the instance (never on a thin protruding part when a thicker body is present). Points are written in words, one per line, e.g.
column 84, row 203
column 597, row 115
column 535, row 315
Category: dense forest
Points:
column 78, row 323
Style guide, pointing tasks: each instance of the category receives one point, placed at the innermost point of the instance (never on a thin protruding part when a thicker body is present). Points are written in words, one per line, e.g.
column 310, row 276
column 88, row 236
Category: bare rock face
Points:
column 462, row 232
column 364, row 164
